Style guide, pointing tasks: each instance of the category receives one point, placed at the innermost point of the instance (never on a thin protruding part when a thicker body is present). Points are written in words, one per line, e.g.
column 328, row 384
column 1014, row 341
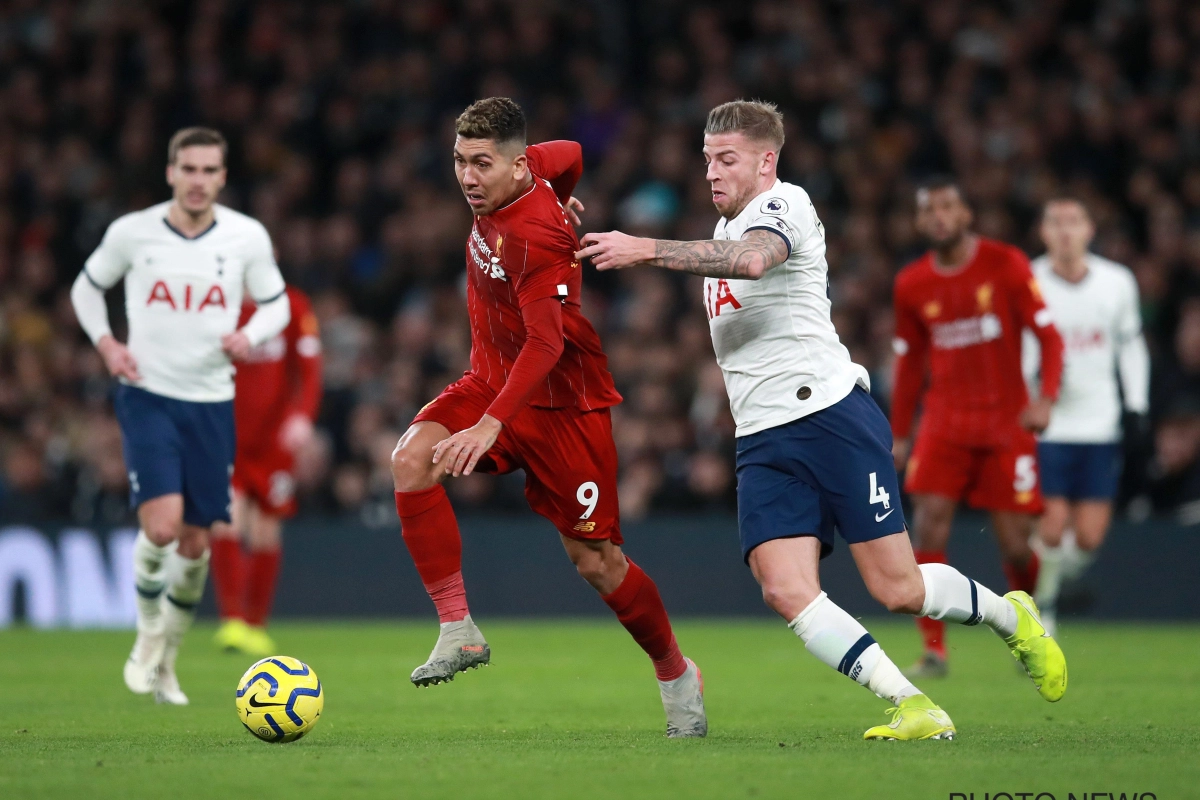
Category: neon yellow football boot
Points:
column 230, row 635
column 916, row 717
column 1036, row 649
column 257, row 642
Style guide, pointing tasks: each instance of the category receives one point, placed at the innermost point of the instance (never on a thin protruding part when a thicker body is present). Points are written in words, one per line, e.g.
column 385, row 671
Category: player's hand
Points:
column 460, row 452
column 117, row 358
column 1036, row 415
column 236, row 345
column 901, row 448
column 615, row 250
column 296, row 433
column 573, row 207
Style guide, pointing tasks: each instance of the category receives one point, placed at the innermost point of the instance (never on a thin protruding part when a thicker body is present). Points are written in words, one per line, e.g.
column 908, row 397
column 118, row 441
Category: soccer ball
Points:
column 279, row 699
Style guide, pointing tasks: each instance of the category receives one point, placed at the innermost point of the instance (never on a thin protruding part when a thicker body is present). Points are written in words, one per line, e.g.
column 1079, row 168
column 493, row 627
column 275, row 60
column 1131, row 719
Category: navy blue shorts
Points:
column 1079, row 471
column 832, row 469
column 177, row 447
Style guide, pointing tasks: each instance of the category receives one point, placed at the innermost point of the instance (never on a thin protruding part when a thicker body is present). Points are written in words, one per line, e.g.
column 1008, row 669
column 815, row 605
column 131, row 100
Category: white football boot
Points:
column 166, row 685
column 460, row 646
column 176, row 621
column 142, row 666
column 683, row 700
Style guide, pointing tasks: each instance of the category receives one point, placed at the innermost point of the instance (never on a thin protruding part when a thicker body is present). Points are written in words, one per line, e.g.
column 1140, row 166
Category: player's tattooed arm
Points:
column 749, row 258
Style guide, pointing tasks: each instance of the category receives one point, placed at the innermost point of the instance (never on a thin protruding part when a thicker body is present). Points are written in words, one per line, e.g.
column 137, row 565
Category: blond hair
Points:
column 755, row 119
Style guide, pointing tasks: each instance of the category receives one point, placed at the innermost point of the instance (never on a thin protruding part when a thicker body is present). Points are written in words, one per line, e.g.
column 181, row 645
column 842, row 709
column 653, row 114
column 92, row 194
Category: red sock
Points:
column 933, row 631
column 450, row 597
column 639, row 607
column 1022, row 577
column 261, row 576
column 430, row 532
column 229, row 577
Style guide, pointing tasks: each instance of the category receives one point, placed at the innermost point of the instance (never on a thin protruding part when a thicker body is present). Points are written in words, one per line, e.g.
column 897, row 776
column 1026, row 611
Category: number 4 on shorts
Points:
column 878, row 493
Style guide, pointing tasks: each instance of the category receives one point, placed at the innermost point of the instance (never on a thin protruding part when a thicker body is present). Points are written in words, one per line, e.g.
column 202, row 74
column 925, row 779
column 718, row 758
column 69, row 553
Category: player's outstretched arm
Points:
column 748, row 258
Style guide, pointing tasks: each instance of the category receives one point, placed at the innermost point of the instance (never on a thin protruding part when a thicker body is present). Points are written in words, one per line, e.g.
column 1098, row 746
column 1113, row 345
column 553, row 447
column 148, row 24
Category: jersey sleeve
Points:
column 911, row 346
column 543, row 346
column 107, row 265
column 1034, row 315
column 545, row 265
column 264, row 282
column 560, row 162
column 787, row 217
column 304, row 349
column 1133, row 357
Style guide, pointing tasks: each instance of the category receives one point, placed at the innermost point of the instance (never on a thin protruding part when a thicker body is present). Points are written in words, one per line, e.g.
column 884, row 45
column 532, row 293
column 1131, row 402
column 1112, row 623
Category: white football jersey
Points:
column 773, row 337
column 182, row 295
column 1101, row 328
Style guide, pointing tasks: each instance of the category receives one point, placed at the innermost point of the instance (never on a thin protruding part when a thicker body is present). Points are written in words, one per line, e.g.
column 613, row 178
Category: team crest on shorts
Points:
column 774, row 205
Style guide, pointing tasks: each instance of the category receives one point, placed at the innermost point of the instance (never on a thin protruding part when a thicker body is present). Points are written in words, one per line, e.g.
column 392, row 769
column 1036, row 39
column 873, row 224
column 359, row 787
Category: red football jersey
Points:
column 966, row 324
column 524, row 252
column 281, row 376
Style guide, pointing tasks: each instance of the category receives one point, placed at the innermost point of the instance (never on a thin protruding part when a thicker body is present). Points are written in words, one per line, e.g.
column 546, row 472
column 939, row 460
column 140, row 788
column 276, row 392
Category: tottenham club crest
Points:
column 774, row 205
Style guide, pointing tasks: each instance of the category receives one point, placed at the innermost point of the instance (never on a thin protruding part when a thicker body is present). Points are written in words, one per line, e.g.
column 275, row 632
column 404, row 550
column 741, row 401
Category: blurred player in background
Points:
column 1095, row 307
column 813, row 448
column 186, row 264
column 960, row 310
column 278, row 394
column 537, row 398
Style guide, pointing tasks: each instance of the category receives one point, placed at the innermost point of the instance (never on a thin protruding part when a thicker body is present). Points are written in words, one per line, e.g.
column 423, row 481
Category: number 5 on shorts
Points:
column 588, row 495
column 1025, row 474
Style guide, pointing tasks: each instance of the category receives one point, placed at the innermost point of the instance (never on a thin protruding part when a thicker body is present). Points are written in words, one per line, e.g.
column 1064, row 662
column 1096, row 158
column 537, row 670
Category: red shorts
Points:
column 1003, row 478
column 265, row 476
column 568, row 455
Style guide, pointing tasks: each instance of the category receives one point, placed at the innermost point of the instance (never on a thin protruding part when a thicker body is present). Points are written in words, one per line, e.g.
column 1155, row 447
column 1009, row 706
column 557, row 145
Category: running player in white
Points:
column 813, row 449
column 1095, row 306
column 185, row 264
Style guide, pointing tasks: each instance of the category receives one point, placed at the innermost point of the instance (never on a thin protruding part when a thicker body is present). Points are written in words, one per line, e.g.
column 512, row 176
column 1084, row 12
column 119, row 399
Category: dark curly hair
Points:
column 497, row 118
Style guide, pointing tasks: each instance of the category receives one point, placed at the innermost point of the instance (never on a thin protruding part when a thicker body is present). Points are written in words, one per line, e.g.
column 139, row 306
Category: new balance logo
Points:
column 585, row 527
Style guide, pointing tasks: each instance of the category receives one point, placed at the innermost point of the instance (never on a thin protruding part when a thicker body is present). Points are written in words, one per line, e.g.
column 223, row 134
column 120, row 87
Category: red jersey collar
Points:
column 523, row 195
column 966, row 265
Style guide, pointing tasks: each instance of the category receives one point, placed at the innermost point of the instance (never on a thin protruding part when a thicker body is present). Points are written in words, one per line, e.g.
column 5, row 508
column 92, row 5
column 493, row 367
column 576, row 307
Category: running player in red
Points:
column 537, row 398
column 960, row 309
column 278, row 391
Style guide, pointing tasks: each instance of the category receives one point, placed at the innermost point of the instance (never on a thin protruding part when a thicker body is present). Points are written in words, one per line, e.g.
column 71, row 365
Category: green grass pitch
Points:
column 571, row 709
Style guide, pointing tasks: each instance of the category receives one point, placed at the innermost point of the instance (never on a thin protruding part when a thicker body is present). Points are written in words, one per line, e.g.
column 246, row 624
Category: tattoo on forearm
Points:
column 717, row 258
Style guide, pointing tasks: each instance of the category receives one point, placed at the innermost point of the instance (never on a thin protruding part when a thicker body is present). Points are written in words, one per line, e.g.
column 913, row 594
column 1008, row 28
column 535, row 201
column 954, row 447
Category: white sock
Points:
column 1076, row 561
column 837, row 639
column 185, row 585
column 954, row 597
column 149, row 575
column 1050, row 574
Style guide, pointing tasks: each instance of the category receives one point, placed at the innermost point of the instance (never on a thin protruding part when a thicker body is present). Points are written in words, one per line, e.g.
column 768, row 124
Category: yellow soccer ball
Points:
column 279, row 699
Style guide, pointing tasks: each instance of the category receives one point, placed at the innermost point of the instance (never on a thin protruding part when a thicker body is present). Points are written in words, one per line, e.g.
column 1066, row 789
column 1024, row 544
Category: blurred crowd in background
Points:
column 340, row 120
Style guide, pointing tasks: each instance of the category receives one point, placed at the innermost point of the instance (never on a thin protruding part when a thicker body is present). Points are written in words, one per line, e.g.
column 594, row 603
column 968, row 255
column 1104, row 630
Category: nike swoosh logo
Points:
column 882, row 517
column 253, row 702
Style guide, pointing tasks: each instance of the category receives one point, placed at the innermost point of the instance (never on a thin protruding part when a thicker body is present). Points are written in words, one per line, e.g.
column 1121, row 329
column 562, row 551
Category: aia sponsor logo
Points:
column 718, row 295
column 1077, row 339
column 187, row 298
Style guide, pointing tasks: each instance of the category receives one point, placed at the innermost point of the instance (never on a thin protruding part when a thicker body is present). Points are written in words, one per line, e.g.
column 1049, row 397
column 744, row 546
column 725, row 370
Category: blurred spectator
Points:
column 340, row 114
